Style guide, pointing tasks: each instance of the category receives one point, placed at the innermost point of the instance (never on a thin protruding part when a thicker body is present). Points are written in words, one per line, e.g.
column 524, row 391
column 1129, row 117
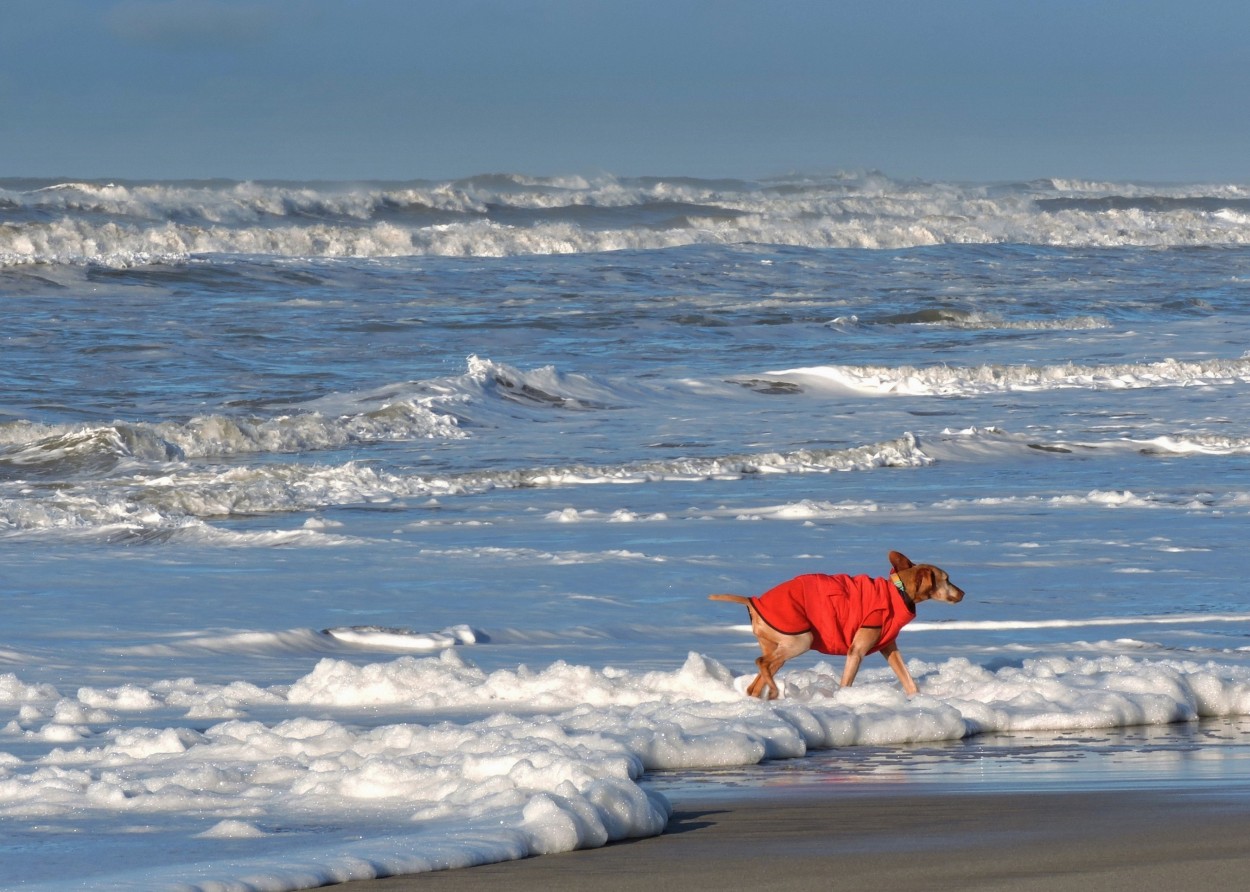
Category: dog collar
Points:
column 902, row 590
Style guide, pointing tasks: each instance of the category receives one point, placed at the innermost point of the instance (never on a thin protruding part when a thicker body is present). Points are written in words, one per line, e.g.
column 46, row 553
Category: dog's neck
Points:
column 902, row 590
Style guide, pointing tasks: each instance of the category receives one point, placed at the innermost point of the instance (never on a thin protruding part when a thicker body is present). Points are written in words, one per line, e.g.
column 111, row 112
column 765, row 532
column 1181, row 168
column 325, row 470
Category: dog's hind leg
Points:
column 765, row 684
column 776, row 651
column 764, row 680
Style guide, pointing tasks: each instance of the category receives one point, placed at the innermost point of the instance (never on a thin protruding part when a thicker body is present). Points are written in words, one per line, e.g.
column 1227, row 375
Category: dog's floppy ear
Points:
column 925, row 581
column 899, row 561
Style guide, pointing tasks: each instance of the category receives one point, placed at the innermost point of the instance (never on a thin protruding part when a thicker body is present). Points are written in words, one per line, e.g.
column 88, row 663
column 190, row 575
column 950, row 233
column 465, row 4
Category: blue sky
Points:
column 404, row 89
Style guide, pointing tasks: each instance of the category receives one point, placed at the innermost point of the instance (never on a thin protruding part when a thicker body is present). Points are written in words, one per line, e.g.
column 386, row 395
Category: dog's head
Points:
column 925, row 582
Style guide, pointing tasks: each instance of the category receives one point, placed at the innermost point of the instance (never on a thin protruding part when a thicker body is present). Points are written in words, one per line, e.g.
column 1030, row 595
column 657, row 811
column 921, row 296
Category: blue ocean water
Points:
column 323, row 459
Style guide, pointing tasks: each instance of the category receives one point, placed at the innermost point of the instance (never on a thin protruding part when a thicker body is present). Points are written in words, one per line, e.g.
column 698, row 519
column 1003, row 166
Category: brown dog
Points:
column 851, row 615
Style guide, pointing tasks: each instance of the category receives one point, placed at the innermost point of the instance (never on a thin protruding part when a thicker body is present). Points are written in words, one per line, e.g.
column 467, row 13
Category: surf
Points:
column 128, row 224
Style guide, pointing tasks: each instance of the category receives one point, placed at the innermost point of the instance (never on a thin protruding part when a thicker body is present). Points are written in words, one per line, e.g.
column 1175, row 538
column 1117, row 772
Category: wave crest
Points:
column 179, row 500
column 505, row 215
column 973, row 380
column 27, row 448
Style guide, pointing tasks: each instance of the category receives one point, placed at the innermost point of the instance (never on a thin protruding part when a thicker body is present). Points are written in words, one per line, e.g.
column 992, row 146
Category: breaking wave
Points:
column 178, row 499
column 973, row 380
column 28, row 449
column 125, row 224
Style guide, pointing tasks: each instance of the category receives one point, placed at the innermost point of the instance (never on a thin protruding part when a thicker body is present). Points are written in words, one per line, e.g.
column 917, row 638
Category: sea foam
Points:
column 553, row 759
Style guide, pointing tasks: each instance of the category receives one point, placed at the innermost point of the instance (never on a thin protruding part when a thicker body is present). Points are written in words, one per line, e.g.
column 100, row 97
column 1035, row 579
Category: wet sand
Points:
column 1134, row 840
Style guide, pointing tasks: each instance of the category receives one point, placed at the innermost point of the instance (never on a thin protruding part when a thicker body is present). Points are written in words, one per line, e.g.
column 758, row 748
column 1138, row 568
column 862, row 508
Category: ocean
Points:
column 354, row 529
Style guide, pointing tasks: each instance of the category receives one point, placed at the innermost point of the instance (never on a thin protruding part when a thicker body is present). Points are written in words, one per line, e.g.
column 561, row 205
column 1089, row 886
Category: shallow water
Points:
column 1209, row 757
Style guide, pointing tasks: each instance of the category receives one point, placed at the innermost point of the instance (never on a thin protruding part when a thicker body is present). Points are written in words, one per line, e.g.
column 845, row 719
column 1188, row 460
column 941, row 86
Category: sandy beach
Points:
column 1106, row 840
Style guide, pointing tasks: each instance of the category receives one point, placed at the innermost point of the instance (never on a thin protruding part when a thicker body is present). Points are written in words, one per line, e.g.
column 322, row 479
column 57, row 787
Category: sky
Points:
column 962, row 90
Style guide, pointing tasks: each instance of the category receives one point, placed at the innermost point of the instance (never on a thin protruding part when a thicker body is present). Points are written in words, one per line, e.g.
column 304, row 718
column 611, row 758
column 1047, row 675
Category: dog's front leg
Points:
column 899, row 665
column 861, row 645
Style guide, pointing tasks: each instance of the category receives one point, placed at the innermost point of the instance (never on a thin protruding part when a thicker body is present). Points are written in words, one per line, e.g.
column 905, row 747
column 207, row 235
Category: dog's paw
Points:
column 742, row 684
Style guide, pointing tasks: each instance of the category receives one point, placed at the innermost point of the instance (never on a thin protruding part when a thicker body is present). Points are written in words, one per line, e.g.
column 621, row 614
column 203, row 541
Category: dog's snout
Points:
column 951, row 592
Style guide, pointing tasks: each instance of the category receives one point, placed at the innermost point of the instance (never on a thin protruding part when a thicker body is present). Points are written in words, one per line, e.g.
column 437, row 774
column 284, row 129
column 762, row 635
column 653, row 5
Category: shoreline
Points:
column 932, row 838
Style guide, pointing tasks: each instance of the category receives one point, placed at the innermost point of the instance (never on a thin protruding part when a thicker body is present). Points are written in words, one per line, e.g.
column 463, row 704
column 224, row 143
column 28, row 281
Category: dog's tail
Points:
column 737, row 599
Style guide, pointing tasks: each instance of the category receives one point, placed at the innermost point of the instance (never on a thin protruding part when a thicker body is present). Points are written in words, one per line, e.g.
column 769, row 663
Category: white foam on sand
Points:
column 415, row 764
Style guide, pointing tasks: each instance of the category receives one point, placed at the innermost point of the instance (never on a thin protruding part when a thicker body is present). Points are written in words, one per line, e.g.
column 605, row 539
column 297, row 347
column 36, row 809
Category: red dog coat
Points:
column 834, row 608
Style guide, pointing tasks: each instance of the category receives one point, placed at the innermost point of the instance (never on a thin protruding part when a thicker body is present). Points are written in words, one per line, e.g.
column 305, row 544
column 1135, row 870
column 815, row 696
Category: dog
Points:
column 850, row 615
